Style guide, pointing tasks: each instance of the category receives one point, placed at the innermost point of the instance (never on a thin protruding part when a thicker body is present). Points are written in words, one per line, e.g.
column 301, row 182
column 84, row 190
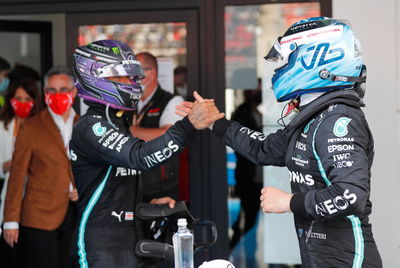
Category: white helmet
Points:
column 217, row 264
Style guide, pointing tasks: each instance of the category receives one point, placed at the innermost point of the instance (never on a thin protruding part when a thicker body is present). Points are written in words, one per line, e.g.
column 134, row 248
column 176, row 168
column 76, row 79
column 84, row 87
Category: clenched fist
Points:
column 274, row 200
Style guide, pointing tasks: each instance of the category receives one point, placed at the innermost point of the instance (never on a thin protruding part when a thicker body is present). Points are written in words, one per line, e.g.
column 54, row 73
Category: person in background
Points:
column 4, row 80
column 248, row 176
column 21, row 71
column 180, row 81
column 327, row 147
column 155, row 115
column 41, row 185
column 21, row 102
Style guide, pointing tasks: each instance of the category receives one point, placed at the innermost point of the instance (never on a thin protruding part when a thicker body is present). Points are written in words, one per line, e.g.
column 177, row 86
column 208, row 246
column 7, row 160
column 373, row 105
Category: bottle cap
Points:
column 182, row 222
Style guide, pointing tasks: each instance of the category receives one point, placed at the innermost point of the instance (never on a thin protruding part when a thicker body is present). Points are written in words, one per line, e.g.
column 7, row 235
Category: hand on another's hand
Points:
column 202, row 113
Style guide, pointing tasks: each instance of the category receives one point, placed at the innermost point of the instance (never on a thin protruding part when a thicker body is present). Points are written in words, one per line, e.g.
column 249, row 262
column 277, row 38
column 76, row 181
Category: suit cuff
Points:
column 220, row 127
column 10, row 225
column 297, row 204
column 184, row 126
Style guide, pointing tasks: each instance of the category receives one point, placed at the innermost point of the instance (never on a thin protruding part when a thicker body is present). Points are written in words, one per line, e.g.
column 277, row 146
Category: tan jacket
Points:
column 41, row 158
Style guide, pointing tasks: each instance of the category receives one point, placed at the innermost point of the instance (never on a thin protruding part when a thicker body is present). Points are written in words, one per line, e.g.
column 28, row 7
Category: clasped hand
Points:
column 202, row 113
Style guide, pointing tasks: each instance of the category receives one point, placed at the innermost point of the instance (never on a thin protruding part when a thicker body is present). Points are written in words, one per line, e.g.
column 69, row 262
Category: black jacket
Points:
column 106, row 162
column 162, row 181
column 329, row 154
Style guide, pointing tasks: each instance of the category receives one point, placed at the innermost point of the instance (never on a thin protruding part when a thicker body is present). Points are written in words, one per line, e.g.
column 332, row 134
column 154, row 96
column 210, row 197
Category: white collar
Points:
column 143, row 103
column 64, row 127
column 58, row 117
column 309, row 97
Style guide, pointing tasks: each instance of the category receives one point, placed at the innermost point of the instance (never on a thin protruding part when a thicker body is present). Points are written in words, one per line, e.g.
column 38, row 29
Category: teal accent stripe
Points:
column 355, row 221
column 307, row 127
column 321, row 168
column 359, row 241
column 86, row 213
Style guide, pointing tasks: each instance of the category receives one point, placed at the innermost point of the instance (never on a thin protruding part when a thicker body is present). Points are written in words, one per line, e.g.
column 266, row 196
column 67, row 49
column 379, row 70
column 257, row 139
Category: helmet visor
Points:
column 274, row 54
column 124, row 68
column 278, row 55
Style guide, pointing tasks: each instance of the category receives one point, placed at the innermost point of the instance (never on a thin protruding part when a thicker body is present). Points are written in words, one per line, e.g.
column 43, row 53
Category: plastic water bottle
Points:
column 183, row 246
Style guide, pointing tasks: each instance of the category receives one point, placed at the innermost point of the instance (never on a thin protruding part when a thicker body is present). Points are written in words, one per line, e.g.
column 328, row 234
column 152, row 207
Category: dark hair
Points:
column 21, row 72
column 149, row 58
column 30, row 86
column 56, row 70
column 180, row 70
column 4, row 65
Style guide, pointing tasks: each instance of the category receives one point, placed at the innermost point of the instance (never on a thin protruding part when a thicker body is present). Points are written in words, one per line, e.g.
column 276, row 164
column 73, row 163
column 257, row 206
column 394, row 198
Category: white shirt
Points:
column 168, row 116
column 64, row 127
column 6, row 149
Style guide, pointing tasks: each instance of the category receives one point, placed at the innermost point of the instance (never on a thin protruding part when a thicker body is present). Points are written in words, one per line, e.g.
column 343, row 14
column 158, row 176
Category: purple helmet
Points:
column 97, row 61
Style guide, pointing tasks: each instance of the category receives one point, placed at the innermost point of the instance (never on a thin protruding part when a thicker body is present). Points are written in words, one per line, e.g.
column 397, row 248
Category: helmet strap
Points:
column 326, row 74
column 108, row 116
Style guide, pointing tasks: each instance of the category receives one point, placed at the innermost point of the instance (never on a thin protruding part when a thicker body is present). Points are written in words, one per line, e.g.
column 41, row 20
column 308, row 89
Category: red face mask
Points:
column 59, row 102
column 21, row 109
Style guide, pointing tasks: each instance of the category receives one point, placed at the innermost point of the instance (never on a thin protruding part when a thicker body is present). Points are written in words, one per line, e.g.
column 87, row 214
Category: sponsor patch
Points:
column 342, row 164
column 340, row 202
column 110, row 139
column 153, row 111
column 105, row 135
column 301, row 146
column 339, row 157
column 98, row 130
column 73, row 155
column 122, row 172
column 297, row 177
column 340, row 127
column 340, row 147
column 160, row 156
column 117, row 215
column 347, row 139
column 116, row 50
column 121, row 143
column 99, row 47
column 129, row 216
column 82, row 53
column 253, row 134
column 315, row 235
column 104, row 59
column 299, row 161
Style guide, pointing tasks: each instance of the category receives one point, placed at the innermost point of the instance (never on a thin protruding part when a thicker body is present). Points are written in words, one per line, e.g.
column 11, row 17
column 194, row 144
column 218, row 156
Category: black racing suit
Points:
column 329, row 157
column 106, row 162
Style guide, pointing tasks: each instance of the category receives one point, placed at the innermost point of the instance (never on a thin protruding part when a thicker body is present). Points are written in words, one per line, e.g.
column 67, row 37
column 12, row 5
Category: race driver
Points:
column 107, row 159
column 327, row 147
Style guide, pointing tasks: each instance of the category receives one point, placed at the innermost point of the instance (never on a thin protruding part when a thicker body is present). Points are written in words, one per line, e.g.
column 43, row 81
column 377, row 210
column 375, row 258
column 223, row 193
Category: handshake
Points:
column 202, row 113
